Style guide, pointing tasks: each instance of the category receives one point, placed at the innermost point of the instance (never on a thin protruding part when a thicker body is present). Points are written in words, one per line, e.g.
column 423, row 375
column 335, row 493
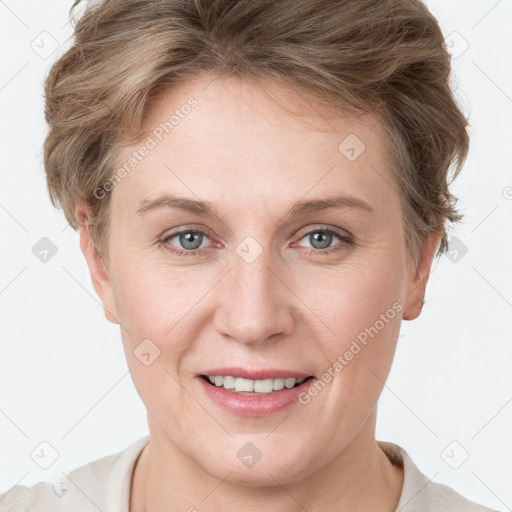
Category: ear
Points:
column 418, row 276
column 99, row 273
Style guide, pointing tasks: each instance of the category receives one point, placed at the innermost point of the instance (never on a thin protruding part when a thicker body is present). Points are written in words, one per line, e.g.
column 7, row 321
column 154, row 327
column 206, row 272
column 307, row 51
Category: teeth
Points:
column 289, row 383
column 244, row 384
column 265, row 386
column 278, row 384
column 229, row 383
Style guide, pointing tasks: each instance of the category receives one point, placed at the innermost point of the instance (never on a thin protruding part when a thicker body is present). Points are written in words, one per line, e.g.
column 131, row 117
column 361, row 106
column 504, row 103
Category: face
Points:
column 255, row 244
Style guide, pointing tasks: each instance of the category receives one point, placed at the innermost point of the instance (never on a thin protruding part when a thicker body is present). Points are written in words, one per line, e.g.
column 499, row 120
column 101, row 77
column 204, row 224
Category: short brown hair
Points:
column 384, row 57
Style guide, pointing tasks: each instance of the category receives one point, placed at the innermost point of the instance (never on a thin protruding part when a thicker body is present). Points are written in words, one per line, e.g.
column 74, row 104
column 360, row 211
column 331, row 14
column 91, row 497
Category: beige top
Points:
column 104, row 485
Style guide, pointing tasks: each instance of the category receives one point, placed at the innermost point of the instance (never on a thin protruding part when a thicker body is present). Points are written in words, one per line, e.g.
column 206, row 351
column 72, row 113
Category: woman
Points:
column 260, row 189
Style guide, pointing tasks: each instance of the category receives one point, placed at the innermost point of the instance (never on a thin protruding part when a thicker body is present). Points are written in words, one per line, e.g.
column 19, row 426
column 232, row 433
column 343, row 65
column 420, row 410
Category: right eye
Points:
column 190, row 240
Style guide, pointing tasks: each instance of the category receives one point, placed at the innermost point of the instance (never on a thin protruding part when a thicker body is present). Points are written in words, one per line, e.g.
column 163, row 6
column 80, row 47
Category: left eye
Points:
column 321, row 238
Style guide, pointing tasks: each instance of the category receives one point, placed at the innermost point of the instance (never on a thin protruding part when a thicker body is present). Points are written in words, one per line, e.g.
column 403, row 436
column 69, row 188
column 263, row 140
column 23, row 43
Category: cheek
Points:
column 152, row 309
column 351, row 297
column 155, row 300
column 152, row 300
column 360, row 312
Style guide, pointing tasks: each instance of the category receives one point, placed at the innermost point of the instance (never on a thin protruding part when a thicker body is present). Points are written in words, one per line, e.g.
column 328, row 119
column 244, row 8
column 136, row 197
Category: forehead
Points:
column 210, row 136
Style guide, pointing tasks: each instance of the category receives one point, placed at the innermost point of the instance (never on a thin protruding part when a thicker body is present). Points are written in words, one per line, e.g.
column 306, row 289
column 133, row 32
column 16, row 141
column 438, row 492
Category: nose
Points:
column 256, row 305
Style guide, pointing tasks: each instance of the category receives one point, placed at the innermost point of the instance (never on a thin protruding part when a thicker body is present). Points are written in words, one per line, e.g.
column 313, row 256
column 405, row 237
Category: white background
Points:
column 63, row 373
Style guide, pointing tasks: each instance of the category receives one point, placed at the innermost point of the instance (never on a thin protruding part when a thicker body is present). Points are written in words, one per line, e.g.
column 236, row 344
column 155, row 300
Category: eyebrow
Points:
column 299, row 208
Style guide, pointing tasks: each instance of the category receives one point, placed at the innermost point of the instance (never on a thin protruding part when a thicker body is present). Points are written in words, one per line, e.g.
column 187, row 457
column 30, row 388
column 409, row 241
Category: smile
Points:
column 253, row 387
column 245, row 392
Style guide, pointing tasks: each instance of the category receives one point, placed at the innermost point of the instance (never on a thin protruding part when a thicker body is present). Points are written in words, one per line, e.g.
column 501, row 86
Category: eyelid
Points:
column 166, row 238
column 322, row 227
column 172, row 232
column 300, row 234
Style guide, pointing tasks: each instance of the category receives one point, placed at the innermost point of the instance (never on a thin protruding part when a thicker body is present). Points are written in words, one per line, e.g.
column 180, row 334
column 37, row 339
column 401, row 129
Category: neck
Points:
column 359, row 478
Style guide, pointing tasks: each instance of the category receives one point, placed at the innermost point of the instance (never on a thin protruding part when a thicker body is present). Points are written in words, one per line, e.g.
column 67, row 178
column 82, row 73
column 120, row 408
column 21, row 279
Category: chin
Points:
column 264, row 475
column 250, row 466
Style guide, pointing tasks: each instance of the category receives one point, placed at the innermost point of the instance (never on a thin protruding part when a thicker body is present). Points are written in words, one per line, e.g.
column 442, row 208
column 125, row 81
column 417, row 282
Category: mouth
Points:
column 251, row 392
column 255, row 387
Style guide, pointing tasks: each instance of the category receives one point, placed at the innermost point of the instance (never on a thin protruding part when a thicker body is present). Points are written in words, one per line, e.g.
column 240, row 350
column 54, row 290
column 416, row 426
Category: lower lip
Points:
column 253, row 405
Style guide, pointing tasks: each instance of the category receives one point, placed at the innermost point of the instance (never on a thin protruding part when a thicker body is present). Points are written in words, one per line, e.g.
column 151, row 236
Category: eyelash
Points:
column 310, row 251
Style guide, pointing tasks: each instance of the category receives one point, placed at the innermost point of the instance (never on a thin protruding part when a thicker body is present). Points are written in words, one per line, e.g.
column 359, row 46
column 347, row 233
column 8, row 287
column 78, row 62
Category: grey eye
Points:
column 190, row 240
column 320, row 239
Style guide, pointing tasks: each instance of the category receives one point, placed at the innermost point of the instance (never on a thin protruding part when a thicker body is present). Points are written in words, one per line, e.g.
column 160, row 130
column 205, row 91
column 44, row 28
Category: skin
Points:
column 250, row 157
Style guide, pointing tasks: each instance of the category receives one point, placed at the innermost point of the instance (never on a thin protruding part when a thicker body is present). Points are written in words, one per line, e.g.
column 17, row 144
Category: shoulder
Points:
column 420, row 493
column 99, row 485
column 443, row 498
column 41, row 496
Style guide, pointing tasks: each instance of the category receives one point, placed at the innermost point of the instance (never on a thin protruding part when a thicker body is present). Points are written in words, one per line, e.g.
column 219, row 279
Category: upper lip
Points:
column 255, row 374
